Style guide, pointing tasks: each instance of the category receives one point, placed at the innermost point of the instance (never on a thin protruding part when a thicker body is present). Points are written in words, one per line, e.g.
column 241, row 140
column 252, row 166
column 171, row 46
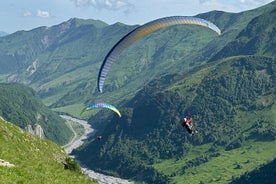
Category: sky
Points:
column 18, row 15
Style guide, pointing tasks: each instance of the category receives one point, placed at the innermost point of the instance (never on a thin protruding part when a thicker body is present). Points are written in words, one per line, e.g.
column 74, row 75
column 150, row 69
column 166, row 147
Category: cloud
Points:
column 27, row 13
column 43, row 14
column 257, row 2
column 253, row 1
column 203, row 1
column 37, row 13
column 233, row 5
column 113, row 5
column 207, row 1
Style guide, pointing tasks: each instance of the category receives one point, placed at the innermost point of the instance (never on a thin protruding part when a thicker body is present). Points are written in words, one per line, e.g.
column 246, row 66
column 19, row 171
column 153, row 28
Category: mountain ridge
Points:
column 54, row 60
column 155, row 82
column 249, row 41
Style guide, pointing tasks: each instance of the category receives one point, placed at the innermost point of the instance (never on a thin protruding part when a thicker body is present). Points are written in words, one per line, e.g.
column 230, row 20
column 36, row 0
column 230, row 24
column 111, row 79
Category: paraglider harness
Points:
column 187, row 123
column 99, row 137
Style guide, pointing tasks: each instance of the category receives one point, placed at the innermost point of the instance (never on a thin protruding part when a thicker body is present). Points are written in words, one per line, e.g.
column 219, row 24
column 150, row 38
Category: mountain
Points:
column 257, row 38
column 158, row 80
column 233, row 106
column 2, row 33
column 22, row 106
column 25, row 158
column 232, row 100
column 61, row 62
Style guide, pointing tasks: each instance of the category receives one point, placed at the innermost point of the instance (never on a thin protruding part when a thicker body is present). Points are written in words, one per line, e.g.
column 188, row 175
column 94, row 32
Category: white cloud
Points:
column 252, row 2
column 27, row 13
column 203, row 1
column 82, row 3
column 43, row 14
column 112, row 5
column 207, row 1
column 255, row 1
column 233, row 5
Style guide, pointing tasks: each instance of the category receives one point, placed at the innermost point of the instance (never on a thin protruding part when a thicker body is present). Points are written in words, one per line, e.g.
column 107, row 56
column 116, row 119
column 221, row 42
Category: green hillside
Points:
column 226, row 82
column 34, row 160
column 22, row 106
column 61, row 62
column 257, row 38
column 266, row 174
column 233, row 106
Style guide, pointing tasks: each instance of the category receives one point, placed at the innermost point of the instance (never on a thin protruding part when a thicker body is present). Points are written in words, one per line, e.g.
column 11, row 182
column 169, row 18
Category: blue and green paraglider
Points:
column 142, row 31
column 101, row 105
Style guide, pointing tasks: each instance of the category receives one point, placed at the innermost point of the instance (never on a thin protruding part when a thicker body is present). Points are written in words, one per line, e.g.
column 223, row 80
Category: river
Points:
column 77, row 141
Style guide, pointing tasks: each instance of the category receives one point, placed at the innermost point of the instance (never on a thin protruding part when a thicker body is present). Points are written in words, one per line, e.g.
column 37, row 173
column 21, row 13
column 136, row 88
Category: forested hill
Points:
column 258, row 38
column 22, row 106
column 233, row 105
column 232, row 100
column 266, row 174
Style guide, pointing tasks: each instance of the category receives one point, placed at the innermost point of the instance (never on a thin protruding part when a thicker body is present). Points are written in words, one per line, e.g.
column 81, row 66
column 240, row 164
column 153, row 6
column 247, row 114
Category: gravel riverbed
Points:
column 77, row 142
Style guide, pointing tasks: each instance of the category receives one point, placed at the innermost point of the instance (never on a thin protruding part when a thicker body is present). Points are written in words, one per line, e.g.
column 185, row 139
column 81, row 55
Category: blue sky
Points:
column 28, row 14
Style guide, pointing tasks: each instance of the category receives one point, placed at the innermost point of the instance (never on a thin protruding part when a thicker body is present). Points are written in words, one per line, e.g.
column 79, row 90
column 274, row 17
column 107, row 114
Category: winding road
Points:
column 77, row 141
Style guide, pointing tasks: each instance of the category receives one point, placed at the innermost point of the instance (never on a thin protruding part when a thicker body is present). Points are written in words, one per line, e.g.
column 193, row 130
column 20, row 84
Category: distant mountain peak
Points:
column 79, row 22
column 2, row 33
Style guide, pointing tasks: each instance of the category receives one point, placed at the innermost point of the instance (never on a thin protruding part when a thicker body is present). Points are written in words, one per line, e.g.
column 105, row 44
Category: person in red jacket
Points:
column 187, row 123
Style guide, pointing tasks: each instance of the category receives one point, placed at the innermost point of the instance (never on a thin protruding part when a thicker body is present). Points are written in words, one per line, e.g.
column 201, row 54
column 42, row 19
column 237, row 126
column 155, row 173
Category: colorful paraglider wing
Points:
column 101, row 105
column 143, row 30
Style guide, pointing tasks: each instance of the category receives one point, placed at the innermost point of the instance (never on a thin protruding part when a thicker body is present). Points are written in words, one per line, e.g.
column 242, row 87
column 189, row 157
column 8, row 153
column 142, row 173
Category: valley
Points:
column 226, row 82
column 77, row 141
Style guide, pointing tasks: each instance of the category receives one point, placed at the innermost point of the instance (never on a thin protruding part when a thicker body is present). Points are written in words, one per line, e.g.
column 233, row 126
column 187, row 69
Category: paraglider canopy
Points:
column 142, row 31
column 101, row 105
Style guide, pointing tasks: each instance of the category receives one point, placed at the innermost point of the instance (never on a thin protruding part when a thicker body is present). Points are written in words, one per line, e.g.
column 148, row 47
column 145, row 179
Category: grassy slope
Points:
column 228, row 164
column 220, row 169
column 36, row 160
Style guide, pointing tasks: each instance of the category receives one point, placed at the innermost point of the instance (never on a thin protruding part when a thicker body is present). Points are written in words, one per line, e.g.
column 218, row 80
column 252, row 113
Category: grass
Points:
column 171, row 166
column 228, row 164
column 220, row 169
column 36, row 160
column 74, row 109
column 273, row 112
column 245, row 118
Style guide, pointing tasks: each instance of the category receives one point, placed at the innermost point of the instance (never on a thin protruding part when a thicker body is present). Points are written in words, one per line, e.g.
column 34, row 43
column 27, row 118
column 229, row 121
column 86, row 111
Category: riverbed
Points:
column 77, row 141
